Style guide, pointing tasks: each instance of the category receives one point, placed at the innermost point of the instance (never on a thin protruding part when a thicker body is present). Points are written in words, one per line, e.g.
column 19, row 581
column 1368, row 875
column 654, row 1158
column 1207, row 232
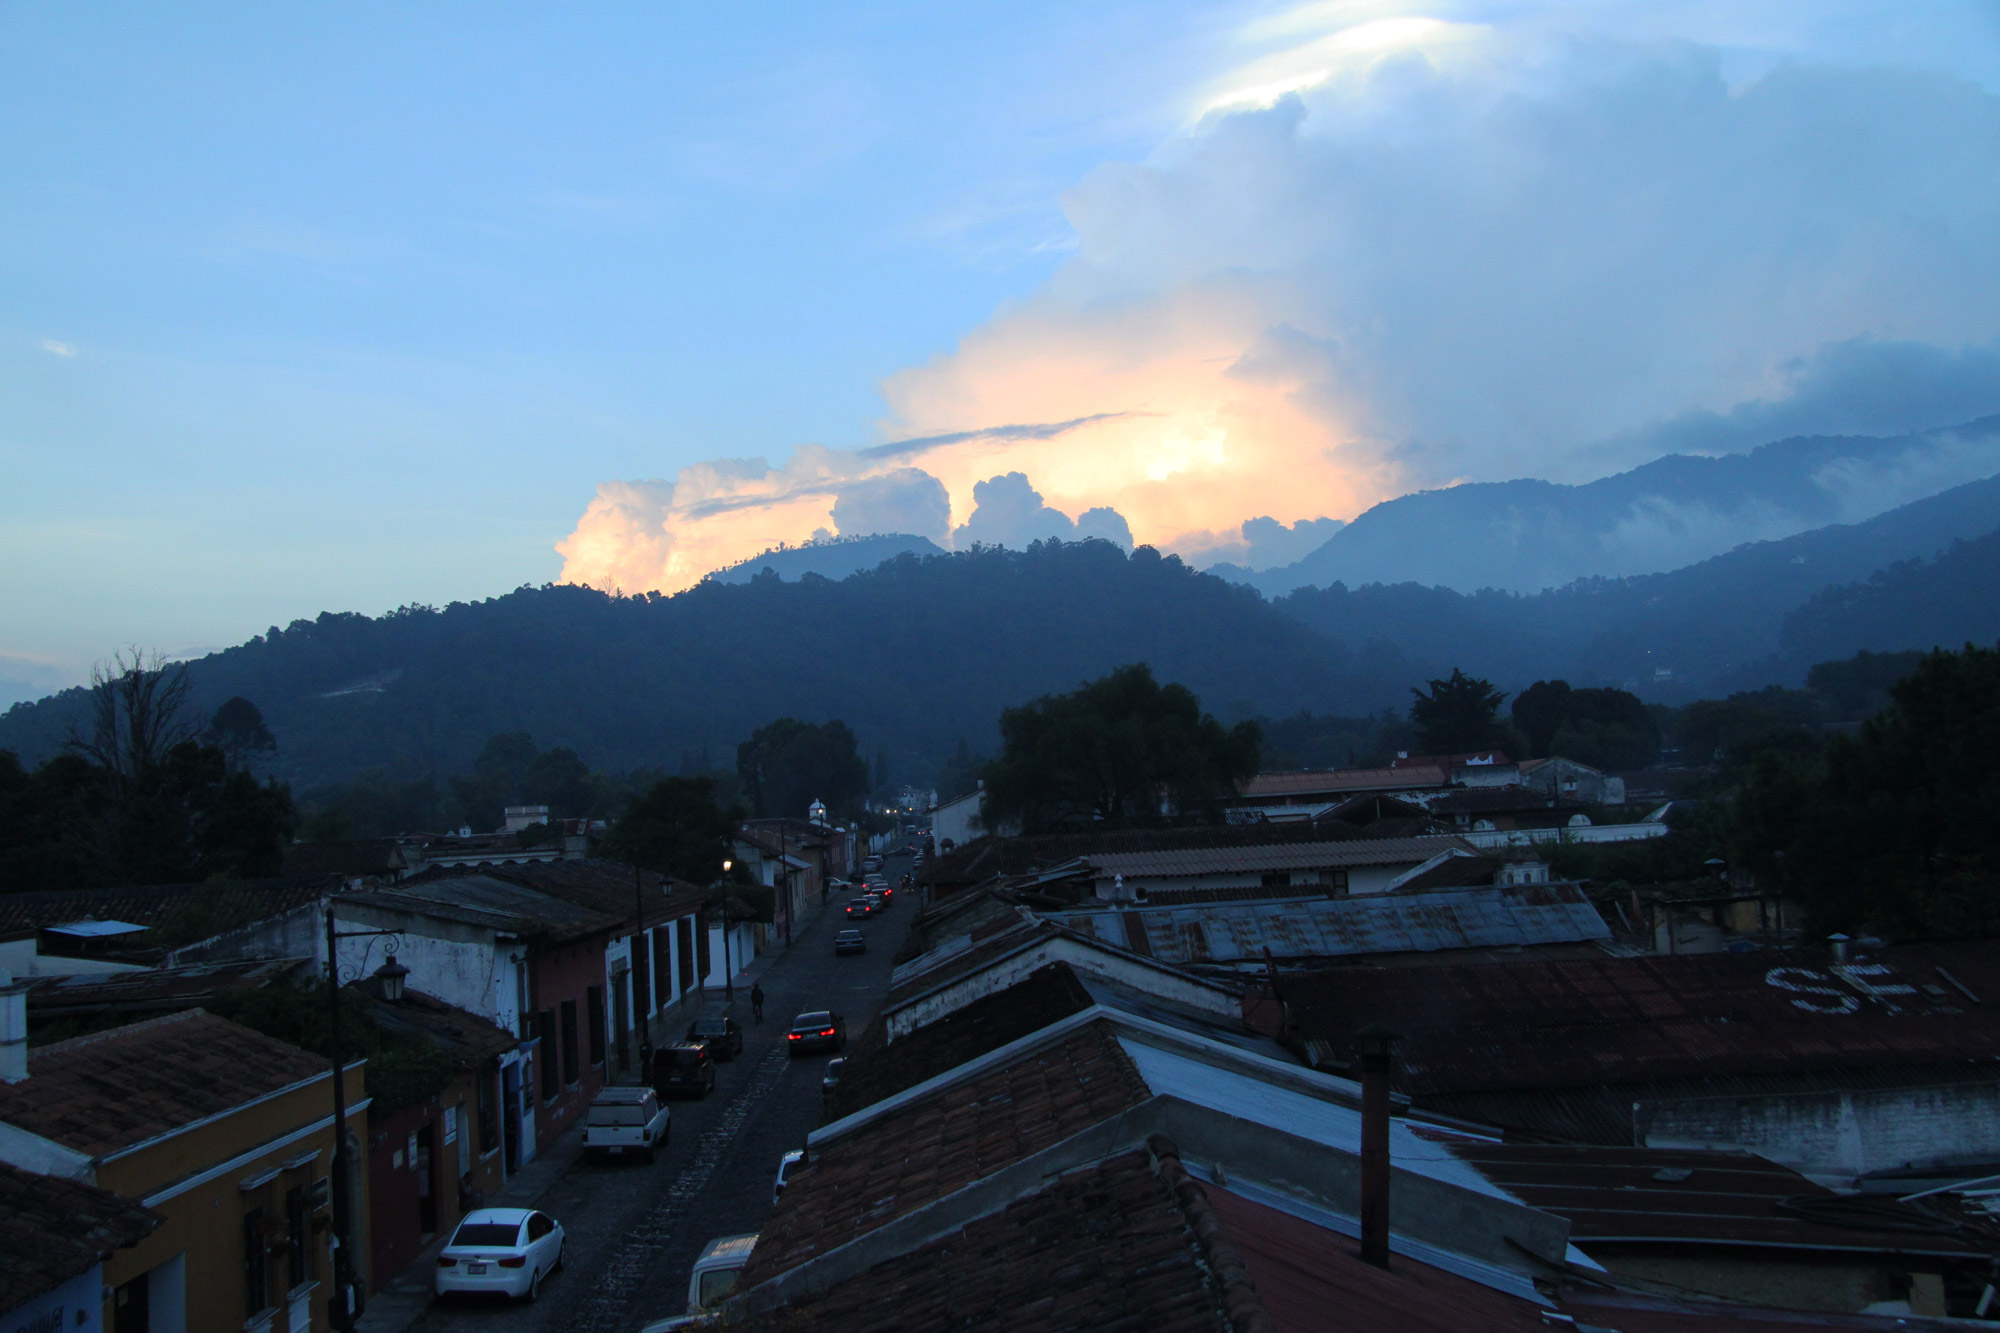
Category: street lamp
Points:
column 342, row 1305
column 728, row 972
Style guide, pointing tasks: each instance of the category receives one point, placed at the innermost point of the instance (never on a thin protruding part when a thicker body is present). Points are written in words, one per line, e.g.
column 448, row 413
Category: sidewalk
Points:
column 404, row 1300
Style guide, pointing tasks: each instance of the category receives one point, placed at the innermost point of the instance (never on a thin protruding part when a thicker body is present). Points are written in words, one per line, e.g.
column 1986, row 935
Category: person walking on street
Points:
column 756, row 1003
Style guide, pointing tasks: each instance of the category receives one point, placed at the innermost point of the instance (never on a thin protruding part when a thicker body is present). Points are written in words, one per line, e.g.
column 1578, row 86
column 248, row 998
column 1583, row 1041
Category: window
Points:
column 1335, row 882
column 571, row 1071
column 642, row 988
column 1277, row 879
column 539, row 1226
column 524, row 1006
column 596, row 1018
column 663, row 972
column 298, row 1238
column 684, row 936
column 546, row 1054
column 256, row 1278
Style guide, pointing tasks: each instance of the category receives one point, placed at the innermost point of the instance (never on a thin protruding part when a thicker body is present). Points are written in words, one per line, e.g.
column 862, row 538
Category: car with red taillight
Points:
column 819, row 1030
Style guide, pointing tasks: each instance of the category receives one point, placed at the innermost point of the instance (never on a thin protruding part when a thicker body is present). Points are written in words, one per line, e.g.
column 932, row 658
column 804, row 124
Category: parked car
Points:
column 686, row 1068
column 829, row 1082
column 871, row 862
column 817, row 1030
column 787, row 1164
column 713, row 1278
column 719, row 1032
column 500, row 1251
column 850, row 941
column 626, row 1122
column 861, row 908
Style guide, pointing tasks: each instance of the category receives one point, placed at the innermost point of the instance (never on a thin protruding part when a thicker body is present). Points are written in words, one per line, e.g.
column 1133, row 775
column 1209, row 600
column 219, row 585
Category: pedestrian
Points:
column 756, row 1003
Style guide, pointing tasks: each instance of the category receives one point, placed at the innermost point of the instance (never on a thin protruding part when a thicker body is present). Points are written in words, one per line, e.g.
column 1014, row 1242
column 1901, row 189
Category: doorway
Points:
column 510, row 1115
column 427, row 1190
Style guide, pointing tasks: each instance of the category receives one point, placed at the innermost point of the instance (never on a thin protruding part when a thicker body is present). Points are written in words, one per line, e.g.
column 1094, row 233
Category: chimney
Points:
column 1839, row 943
column 13, row 1028
column 1374, row 1041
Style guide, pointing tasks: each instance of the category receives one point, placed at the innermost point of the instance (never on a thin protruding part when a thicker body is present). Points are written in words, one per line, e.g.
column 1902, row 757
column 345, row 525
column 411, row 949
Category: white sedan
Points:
column 507, row 1251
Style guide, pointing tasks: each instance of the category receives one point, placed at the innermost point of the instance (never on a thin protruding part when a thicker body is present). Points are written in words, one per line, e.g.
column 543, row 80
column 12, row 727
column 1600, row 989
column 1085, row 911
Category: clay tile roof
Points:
column 602, row 886
column 873, row 1072
column 1315, row 781
column 110, row 1090
column 153, row 988
column 1102, row 1248
column 484, row 899
column 469, row 1039
column 944, row 1143
column 52, row 1230
column 156, row 904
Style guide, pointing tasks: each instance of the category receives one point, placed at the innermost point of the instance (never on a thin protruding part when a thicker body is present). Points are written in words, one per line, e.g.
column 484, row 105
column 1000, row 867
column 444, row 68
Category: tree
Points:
column 786, row 765
column 1539, row 711
column 137, row 712
column 1117, row 750
column 1457, row 715
column 1607, row 728
column 238, row 730
column 677, row 828
column 1895, row 831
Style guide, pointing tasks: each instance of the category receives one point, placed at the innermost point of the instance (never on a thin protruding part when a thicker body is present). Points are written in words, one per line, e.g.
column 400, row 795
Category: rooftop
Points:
column 1624, row 1196
column 984, row 858
column 157, row 905
column 1310, row 782
column 1534, row 1025
column 153, row 987
column 1242, row 932
column 469, row 1039
column 53, row 1229
column 484, row 899
column 1104, row 1247
column 1255, row 858
column 967, row 1131
column 602, row 886
column 99, row 1093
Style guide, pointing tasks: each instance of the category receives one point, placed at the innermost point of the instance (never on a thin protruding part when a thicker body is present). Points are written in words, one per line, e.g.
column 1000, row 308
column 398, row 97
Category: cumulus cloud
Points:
column 1009, row 511
column 905, row 500
column 1395, row 250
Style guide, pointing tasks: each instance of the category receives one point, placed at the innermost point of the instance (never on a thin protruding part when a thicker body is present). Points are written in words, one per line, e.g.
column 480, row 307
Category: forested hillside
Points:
column 922, row 653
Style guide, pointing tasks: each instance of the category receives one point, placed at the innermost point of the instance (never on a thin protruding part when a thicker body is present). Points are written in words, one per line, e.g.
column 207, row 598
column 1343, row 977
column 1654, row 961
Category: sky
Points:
column 346, row 308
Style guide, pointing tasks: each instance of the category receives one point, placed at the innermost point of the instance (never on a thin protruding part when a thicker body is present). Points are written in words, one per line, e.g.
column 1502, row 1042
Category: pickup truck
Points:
column 626, row 1122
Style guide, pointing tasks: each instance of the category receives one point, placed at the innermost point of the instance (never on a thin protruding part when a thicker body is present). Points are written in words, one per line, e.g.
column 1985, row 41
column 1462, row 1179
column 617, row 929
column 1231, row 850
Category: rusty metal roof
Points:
column 1581, row 1022
column 1666, row 1196
column 1256, row 859
column 1240, row 932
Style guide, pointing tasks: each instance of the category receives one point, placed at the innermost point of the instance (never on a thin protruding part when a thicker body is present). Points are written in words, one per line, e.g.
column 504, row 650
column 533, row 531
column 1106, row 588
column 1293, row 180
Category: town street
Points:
column 633, row 1230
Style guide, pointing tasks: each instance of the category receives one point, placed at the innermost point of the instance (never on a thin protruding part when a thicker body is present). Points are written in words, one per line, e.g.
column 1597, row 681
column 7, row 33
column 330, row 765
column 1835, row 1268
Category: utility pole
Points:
column 345, row 1304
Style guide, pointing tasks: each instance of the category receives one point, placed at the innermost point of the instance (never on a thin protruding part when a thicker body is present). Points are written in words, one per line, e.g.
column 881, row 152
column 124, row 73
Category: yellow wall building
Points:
column 223, row 1132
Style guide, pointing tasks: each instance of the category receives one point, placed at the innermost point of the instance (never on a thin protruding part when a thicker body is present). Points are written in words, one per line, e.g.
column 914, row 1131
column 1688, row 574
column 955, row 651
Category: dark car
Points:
column 720, row 1033
column 850, row 941
column 687, row 1068
column 861, row 909
column 820, row 1030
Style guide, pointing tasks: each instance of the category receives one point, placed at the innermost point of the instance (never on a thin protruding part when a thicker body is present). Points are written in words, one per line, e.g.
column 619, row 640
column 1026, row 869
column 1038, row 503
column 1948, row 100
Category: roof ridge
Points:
column 1241, row 1305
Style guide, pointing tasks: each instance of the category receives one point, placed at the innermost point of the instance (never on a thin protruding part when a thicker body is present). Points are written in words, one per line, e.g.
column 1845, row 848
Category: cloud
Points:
column 54, row 348
column 1009, row 511
column 906, row 500
column 1394, row 249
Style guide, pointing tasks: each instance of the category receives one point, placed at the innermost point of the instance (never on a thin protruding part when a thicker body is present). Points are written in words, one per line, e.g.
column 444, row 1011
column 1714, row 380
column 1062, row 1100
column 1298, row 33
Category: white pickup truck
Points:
column 626, row 1122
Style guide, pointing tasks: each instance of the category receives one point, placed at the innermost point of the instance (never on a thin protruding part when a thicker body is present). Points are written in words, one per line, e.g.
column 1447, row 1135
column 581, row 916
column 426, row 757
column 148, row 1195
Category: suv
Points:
column 625, row 1122
column 817, row 1030
column 683, row 1068
column 720, row 1033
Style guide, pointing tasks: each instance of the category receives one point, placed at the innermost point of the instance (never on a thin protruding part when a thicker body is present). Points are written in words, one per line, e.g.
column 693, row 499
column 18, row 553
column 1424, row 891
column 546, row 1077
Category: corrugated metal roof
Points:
column 1488, row 917
column 1627, row 1196
column 1257, row 858
column 1309, row 782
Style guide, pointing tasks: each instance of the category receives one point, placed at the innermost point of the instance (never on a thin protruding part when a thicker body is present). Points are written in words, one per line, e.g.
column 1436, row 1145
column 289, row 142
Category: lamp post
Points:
column 343, row 1305
column 728, row 971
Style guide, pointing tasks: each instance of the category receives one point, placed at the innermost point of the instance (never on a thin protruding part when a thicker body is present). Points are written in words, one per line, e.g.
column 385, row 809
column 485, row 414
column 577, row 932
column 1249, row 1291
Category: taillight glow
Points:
column 447, row 1263
column 513, row 1263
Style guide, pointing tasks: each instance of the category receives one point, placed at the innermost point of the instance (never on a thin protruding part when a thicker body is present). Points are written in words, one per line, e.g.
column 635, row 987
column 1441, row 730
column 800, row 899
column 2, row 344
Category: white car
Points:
column 787, row 1164
column 507, row 1251
column 626, row 1122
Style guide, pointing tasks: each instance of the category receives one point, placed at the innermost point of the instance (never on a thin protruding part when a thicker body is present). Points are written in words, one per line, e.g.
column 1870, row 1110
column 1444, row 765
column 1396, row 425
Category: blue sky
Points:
column 311, row 309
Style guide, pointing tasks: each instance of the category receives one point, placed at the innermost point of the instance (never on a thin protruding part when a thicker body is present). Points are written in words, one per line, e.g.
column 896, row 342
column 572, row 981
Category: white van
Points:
column 713, row 1280
column 626, row 1122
